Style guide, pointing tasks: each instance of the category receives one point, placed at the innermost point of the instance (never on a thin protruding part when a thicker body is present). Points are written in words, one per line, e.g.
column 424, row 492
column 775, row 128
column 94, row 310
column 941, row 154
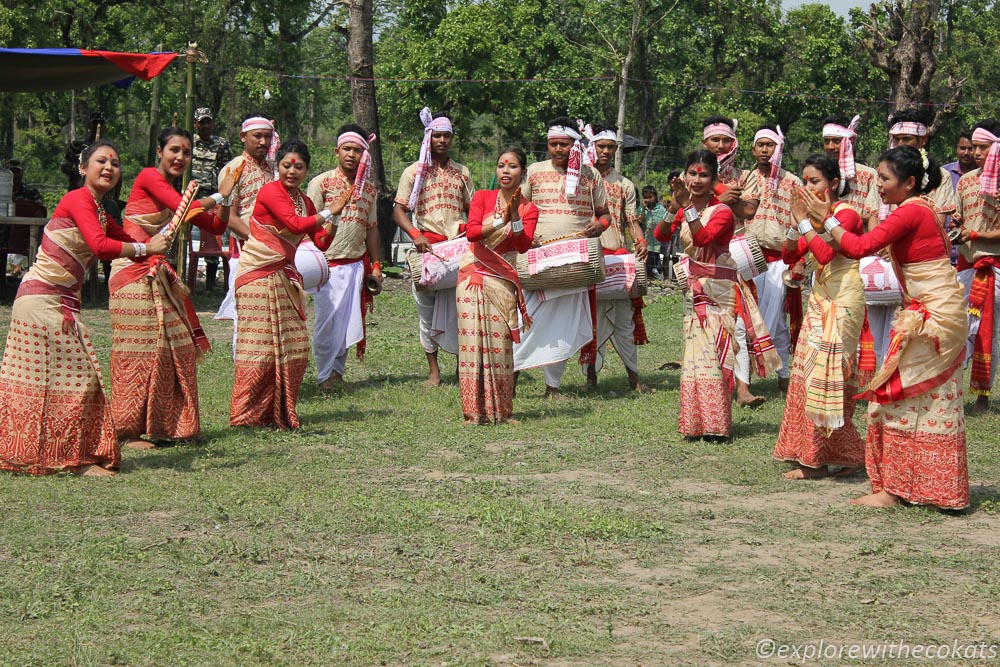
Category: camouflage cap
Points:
column 202, row 112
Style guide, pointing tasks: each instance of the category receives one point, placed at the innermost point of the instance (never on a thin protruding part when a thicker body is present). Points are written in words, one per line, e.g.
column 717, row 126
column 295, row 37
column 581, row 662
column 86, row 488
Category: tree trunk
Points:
column 664, row 124
column 633, row 41
column 361, row 65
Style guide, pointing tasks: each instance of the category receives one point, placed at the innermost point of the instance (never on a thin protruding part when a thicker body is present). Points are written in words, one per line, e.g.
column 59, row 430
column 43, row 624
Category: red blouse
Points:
column 483, row 205
column 152, row 193
column 79, row 206
column 850, row 221
column 275, row 208
column 718, row 231
column 912, row 230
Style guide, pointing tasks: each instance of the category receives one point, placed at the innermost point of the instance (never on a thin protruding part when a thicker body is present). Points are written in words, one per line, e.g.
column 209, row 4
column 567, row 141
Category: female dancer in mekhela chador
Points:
column 53, row 414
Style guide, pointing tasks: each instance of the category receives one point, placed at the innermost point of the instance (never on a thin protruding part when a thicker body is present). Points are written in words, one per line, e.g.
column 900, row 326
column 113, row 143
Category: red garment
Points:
column 850, row 221
column 152, row 193
column 718, row 231
column 275, row 208
column 483, row 205
column 78, row 205
column 912, row 230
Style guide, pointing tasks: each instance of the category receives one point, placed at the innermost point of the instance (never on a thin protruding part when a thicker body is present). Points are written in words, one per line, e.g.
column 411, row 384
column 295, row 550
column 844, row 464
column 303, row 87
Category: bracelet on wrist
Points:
column 517, row 226
column 690, row 214
column 413, row 233
column 830, row 224
column 377, row 266
column 792, row 234
column 217, row 198
column 973, row 235
column 805, row 226
column 326, row 215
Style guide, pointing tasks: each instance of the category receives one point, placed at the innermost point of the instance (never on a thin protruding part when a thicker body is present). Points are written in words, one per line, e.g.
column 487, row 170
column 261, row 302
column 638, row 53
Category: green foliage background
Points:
column 693, row 58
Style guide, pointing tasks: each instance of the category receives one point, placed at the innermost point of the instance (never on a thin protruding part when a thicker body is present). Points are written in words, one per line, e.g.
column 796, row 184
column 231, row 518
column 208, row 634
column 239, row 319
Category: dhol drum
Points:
column 881, row 284
column 437, row 271
column 571, row 263
column 312, row 264
column 625, row 278
column 746, row 252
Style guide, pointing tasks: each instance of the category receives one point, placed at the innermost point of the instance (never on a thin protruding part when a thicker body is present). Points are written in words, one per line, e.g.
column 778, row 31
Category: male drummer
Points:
column 979, row 265
column 355, row 252
column 256, row 170
column 572, row 202
column 617, row 318
column 719, row 137
column 437, row 192
column 907, row 127
column 772, row 187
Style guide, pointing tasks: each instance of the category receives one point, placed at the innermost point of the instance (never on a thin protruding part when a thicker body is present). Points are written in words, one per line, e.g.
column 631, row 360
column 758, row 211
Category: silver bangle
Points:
column 830, row 224
column 691, row 214
column 325, row 214
column 217, row 198
column 805, row 226
column 140, row 249
column 227, row 201
column 498, row 222
column 792, row 234
column 517, row 226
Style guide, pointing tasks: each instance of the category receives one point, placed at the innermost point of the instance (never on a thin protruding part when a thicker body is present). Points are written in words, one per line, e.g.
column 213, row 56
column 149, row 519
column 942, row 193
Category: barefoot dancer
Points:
column 436, row 191
column 53, row 414
column 272, row 343
column 915, row 449
column 817, row 430
column 342, row 302
column 157, row 338
column 710, row 303
column 501, row 224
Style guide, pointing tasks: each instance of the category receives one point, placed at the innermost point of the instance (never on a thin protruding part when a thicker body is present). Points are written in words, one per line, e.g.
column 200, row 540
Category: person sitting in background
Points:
column 22, row 191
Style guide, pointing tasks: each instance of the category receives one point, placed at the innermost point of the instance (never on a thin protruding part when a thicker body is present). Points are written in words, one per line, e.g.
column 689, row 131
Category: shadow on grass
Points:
column 749, row 430
column 983, row 498
column 181, row 458
column 319, row 423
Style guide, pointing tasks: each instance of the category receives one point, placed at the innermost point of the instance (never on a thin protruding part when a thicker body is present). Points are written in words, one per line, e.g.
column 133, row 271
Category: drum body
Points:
column 746, row 252
column 625, row 278
column 311, row 263
column 570, row 263
column 881, row 284
column 431, row 273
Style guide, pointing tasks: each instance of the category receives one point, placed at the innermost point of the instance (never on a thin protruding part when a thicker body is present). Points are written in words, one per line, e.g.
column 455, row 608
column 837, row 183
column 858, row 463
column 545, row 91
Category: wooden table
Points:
column 34, row 233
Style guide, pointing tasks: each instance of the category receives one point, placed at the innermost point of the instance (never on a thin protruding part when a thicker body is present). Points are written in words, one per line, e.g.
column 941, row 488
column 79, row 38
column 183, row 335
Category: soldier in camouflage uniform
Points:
column 210, row 154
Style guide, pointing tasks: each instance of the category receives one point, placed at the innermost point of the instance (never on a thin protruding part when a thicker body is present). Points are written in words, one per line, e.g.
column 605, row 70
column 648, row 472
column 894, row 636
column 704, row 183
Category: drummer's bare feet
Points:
column 880, row 499
column 138, row 443
column 636, row 386
column 434, row 371
column 552, row 393
column 591, row 376
column 333, row 383
column 744, row 398
column 93, row 471
column 782, row 385
column 982, row 405
column 805, row 472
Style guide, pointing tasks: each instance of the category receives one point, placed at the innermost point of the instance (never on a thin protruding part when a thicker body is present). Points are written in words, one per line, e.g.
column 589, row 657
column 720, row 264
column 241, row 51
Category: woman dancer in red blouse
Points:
column 817, row 430
column 53, row 414
column 272, row 343
column 501, row 224
column 710, row 303
column 915, row 449
column 157, row 337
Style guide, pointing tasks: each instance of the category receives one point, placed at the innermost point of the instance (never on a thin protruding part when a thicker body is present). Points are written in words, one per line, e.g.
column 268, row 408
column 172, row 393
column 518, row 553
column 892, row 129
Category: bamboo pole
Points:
column 154, row 118
column 182, row 234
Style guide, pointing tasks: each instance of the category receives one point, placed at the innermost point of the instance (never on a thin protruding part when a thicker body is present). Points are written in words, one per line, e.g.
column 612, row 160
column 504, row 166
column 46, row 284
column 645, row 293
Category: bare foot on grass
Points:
column 805, row 472
column 880, row 499
column 93, row 471
column 138, row 443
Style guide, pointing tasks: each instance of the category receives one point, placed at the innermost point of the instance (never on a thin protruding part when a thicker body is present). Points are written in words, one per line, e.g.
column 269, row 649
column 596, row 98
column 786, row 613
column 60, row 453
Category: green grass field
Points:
column 385, row 532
